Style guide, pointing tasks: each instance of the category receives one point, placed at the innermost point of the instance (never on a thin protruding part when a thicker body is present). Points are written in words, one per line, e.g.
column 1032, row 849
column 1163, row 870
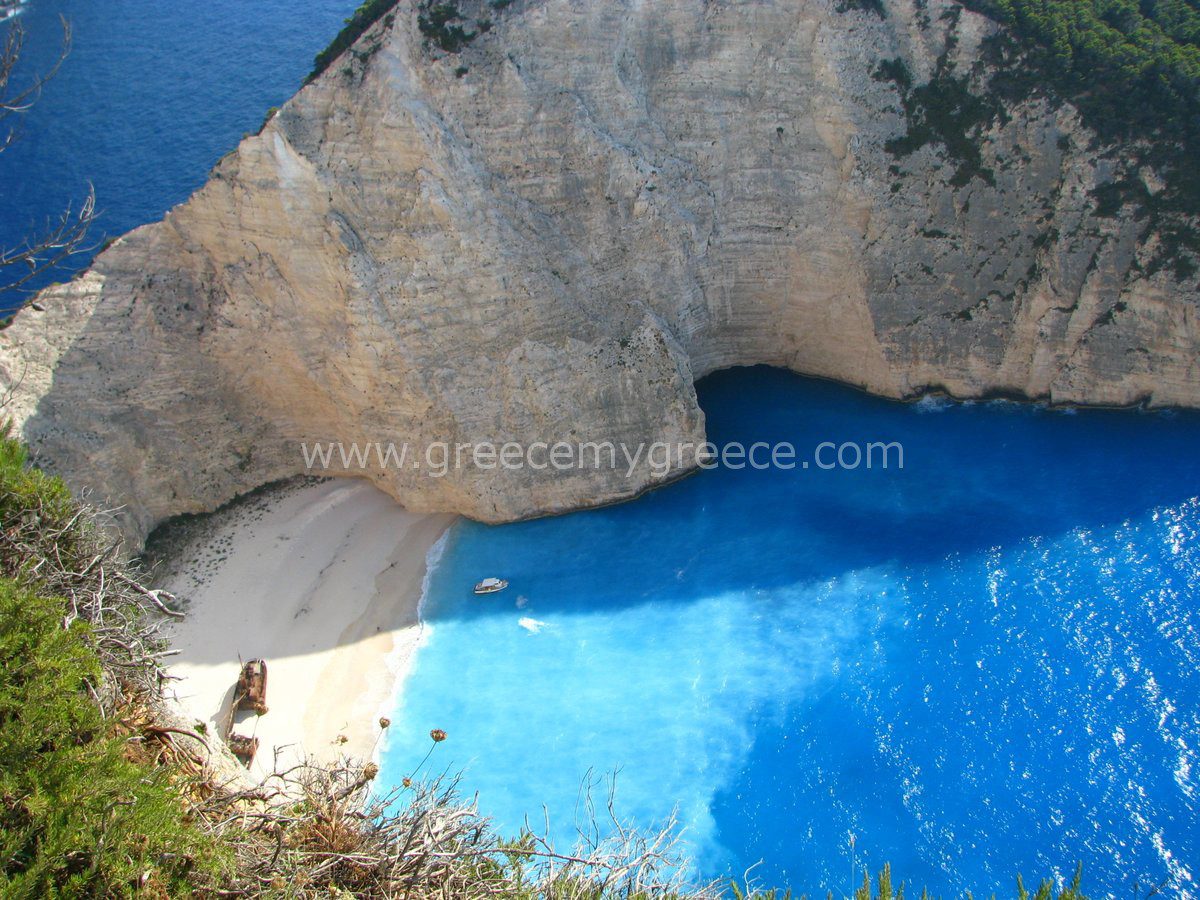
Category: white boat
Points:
column 490, row 585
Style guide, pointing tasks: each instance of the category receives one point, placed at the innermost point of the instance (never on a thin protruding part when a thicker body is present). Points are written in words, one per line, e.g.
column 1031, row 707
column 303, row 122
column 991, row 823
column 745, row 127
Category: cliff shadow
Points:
column 960, row 479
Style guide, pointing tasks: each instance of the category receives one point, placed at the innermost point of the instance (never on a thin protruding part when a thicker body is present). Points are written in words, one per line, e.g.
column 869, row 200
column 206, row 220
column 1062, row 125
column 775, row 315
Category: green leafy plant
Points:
column 442, row 23
column 82, row 811
column 872, row 6
column 79, row 814
column 356, row 26
column 1132, row 68
column 884, row 889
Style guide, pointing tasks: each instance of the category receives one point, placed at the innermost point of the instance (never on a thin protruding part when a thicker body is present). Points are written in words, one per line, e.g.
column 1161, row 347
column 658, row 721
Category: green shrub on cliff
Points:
column 1132, row 68
column 943, row 111
column 882, row 888
column 78, row 815
column 27, row 491
column 443, row 24
column 871, row 6
column 356, row 26
column 81, row 813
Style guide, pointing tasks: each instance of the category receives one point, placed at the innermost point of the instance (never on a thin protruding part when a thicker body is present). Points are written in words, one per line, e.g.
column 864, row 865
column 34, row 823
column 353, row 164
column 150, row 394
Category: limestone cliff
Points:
column 550, row 232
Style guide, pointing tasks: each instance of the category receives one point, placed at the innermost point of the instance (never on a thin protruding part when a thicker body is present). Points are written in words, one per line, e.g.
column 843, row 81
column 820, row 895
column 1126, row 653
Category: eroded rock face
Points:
column 613, row 199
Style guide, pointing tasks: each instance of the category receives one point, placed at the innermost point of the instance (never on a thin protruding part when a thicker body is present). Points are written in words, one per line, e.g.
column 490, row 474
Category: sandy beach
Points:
column 323, row 581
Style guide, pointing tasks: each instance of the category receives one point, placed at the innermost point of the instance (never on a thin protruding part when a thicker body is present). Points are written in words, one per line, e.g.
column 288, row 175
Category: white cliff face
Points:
column 614, row 199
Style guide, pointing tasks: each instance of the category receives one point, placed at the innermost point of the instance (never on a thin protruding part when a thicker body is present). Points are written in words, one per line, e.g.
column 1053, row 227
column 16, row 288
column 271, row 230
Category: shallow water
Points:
column 979, row 665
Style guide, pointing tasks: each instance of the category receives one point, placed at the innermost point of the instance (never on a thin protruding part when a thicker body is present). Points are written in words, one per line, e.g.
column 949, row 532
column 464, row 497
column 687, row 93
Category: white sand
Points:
column 323, row 582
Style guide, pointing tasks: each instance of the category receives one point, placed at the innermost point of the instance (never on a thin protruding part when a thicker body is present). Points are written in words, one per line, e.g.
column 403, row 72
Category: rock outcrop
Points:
column 551, row 232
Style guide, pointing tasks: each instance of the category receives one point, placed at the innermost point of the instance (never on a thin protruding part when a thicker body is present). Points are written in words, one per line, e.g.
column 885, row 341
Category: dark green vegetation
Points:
column 872, row 6
column 79, row 814
column 356, row 26
column 83, row 811
column 447, row 27
column 1131, row 68
column 442, row 24
column 1045, row 891
column 884, row 889
column 945, row 111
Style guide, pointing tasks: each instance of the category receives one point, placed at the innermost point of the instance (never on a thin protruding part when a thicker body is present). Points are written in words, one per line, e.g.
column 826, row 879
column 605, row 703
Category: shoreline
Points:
column 323, row 580
column 400, row 660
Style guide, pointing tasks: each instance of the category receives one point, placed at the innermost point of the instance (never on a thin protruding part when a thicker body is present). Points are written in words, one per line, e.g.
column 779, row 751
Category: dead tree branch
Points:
column 63, row 236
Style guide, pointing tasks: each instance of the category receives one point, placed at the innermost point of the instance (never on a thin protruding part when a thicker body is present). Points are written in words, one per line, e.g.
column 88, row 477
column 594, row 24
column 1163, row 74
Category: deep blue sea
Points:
column 153, row 93
column 984, row 663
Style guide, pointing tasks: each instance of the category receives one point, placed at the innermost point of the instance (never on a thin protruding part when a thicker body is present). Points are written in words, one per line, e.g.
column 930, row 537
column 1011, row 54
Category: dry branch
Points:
column 64, row 235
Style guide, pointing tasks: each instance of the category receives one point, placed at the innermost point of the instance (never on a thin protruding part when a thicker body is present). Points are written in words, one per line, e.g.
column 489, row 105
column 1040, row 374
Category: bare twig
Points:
column 63, row 236
column 154, row 596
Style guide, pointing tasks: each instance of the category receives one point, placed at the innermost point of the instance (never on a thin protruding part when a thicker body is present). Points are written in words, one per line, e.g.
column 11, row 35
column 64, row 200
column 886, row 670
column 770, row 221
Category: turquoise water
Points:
column 985, row 663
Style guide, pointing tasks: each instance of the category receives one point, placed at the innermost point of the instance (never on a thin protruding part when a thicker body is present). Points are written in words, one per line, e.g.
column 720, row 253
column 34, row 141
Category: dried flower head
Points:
column 407, row 782
column 384, row 722
column 370, row 770
column 438, row 735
